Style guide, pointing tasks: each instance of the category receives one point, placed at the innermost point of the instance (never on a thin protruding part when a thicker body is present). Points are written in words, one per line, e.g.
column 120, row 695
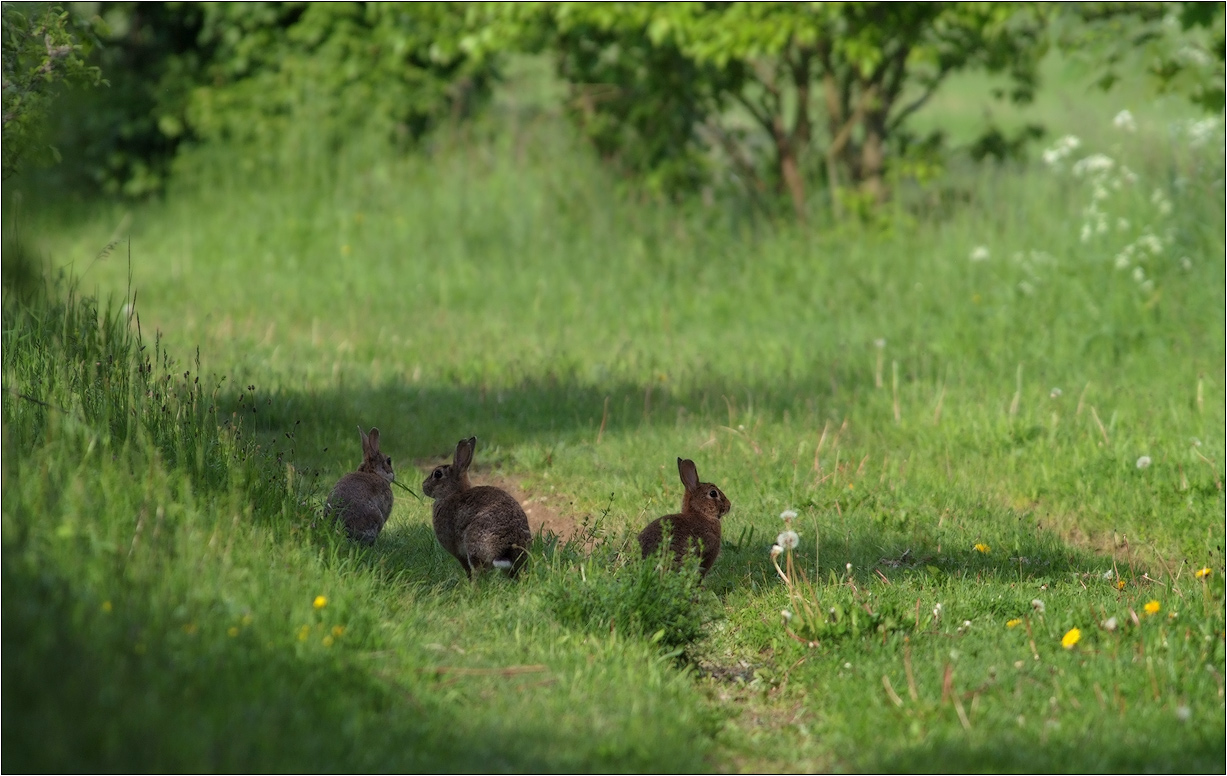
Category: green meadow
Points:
column 997, row 412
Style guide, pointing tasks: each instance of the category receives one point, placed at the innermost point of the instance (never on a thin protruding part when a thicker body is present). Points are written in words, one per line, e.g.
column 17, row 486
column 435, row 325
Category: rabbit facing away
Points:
column 362, row 500
column 481, row 526
column 697, row 528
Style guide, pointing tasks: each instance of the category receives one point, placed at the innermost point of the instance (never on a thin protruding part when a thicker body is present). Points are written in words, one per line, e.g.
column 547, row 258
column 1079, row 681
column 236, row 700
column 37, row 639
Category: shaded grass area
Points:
column 500, row 289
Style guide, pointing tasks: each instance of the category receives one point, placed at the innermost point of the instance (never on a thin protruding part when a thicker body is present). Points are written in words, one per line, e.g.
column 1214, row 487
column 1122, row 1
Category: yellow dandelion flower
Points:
column 1071, row 638
column 247, row 618
column 320, row 602
column 304, row 632
column 327, row 642
column 337, row 630
column 1202, row 573
column 232, row 631
column 1152, row 607
column 851, row 486
column 1120, row 584
column 106, row 606
column 1014, row 623
column 981, row 548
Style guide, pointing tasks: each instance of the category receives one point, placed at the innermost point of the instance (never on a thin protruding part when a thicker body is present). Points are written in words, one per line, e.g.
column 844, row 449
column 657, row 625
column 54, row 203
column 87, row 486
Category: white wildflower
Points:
column 1124, row 122
column 1086, row 233
column 1127, row 175
column 788, row 515
column 979, row 253
column 1109, row 624
column 1037, row 605
column 1151, row 243
column 847, row 665
column 1200, row 131
column 1147, row 286
column 1143, row 462
column 1060, row 150
column 1139, row 274
column 788, row 540
column 1109, row 574
column 1122, row 224
column 937, row 611
column 1093, row 165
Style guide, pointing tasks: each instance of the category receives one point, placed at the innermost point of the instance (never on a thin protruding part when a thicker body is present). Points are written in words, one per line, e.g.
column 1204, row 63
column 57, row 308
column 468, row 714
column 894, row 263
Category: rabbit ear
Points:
column 464, row 453
column 690, row 475
column 362, row 435
column 372, row 440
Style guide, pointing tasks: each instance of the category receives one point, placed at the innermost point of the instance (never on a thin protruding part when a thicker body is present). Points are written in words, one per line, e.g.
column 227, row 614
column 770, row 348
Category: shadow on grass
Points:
column 1183, row 750
column 85, row 691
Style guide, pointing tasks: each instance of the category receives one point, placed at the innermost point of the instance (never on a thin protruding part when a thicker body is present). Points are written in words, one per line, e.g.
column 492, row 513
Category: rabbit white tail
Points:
column 502, row 564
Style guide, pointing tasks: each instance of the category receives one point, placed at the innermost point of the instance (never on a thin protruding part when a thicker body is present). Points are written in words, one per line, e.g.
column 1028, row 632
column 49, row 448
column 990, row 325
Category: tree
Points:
column 43, row 48
column 846, row 76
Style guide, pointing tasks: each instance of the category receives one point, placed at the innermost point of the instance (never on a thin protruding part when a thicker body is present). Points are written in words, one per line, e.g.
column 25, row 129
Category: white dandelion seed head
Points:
column 1109, row 574
column 1184, row 713
column 848, row 566
column 847, row 665
column 1055, row 393
column 979, row 253
column 1143, row 462
column 787, row 615
column 879, row 343
column 788, row 540
column 788, row 515
column 1037, row 605
column 776, row 550
column 1110, row 624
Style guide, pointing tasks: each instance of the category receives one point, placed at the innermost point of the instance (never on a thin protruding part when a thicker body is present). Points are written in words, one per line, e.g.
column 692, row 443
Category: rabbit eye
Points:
column 713, row 493
column 389, row 460
column 438, row 474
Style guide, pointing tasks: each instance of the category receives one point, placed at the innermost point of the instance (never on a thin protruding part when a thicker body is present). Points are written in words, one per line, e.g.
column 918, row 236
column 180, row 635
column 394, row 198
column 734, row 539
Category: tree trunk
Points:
column 873, row 157
column 789, row 167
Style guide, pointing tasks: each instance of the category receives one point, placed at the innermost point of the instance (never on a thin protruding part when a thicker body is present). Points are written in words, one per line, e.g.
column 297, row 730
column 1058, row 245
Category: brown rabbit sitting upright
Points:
column 362, row 500
column 697, row 528
column 481, row 526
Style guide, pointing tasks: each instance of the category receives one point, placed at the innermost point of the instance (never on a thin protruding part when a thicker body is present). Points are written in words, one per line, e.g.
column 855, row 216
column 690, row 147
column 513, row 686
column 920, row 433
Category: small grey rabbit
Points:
column 697, row 527
column 362, row 500
column 481, row 526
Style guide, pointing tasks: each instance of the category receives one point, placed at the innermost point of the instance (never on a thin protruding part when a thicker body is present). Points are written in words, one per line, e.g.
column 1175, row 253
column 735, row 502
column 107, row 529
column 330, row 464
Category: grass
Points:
column 162, row 552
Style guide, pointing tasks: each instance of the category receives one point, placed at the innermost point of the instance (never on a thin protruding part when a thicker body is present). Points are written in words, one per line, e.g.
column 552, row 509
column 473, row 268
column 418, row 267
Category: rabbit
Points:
column 697, row 527
column 362, row 500
column 481, row 526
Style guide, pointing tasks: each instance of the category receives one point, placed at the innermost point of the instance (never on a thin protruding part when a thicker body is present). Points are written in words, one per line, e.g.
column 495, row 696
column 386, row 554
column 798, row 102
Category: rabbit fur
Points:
column 697, row 527
column 362, row 500
column 481, row 526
